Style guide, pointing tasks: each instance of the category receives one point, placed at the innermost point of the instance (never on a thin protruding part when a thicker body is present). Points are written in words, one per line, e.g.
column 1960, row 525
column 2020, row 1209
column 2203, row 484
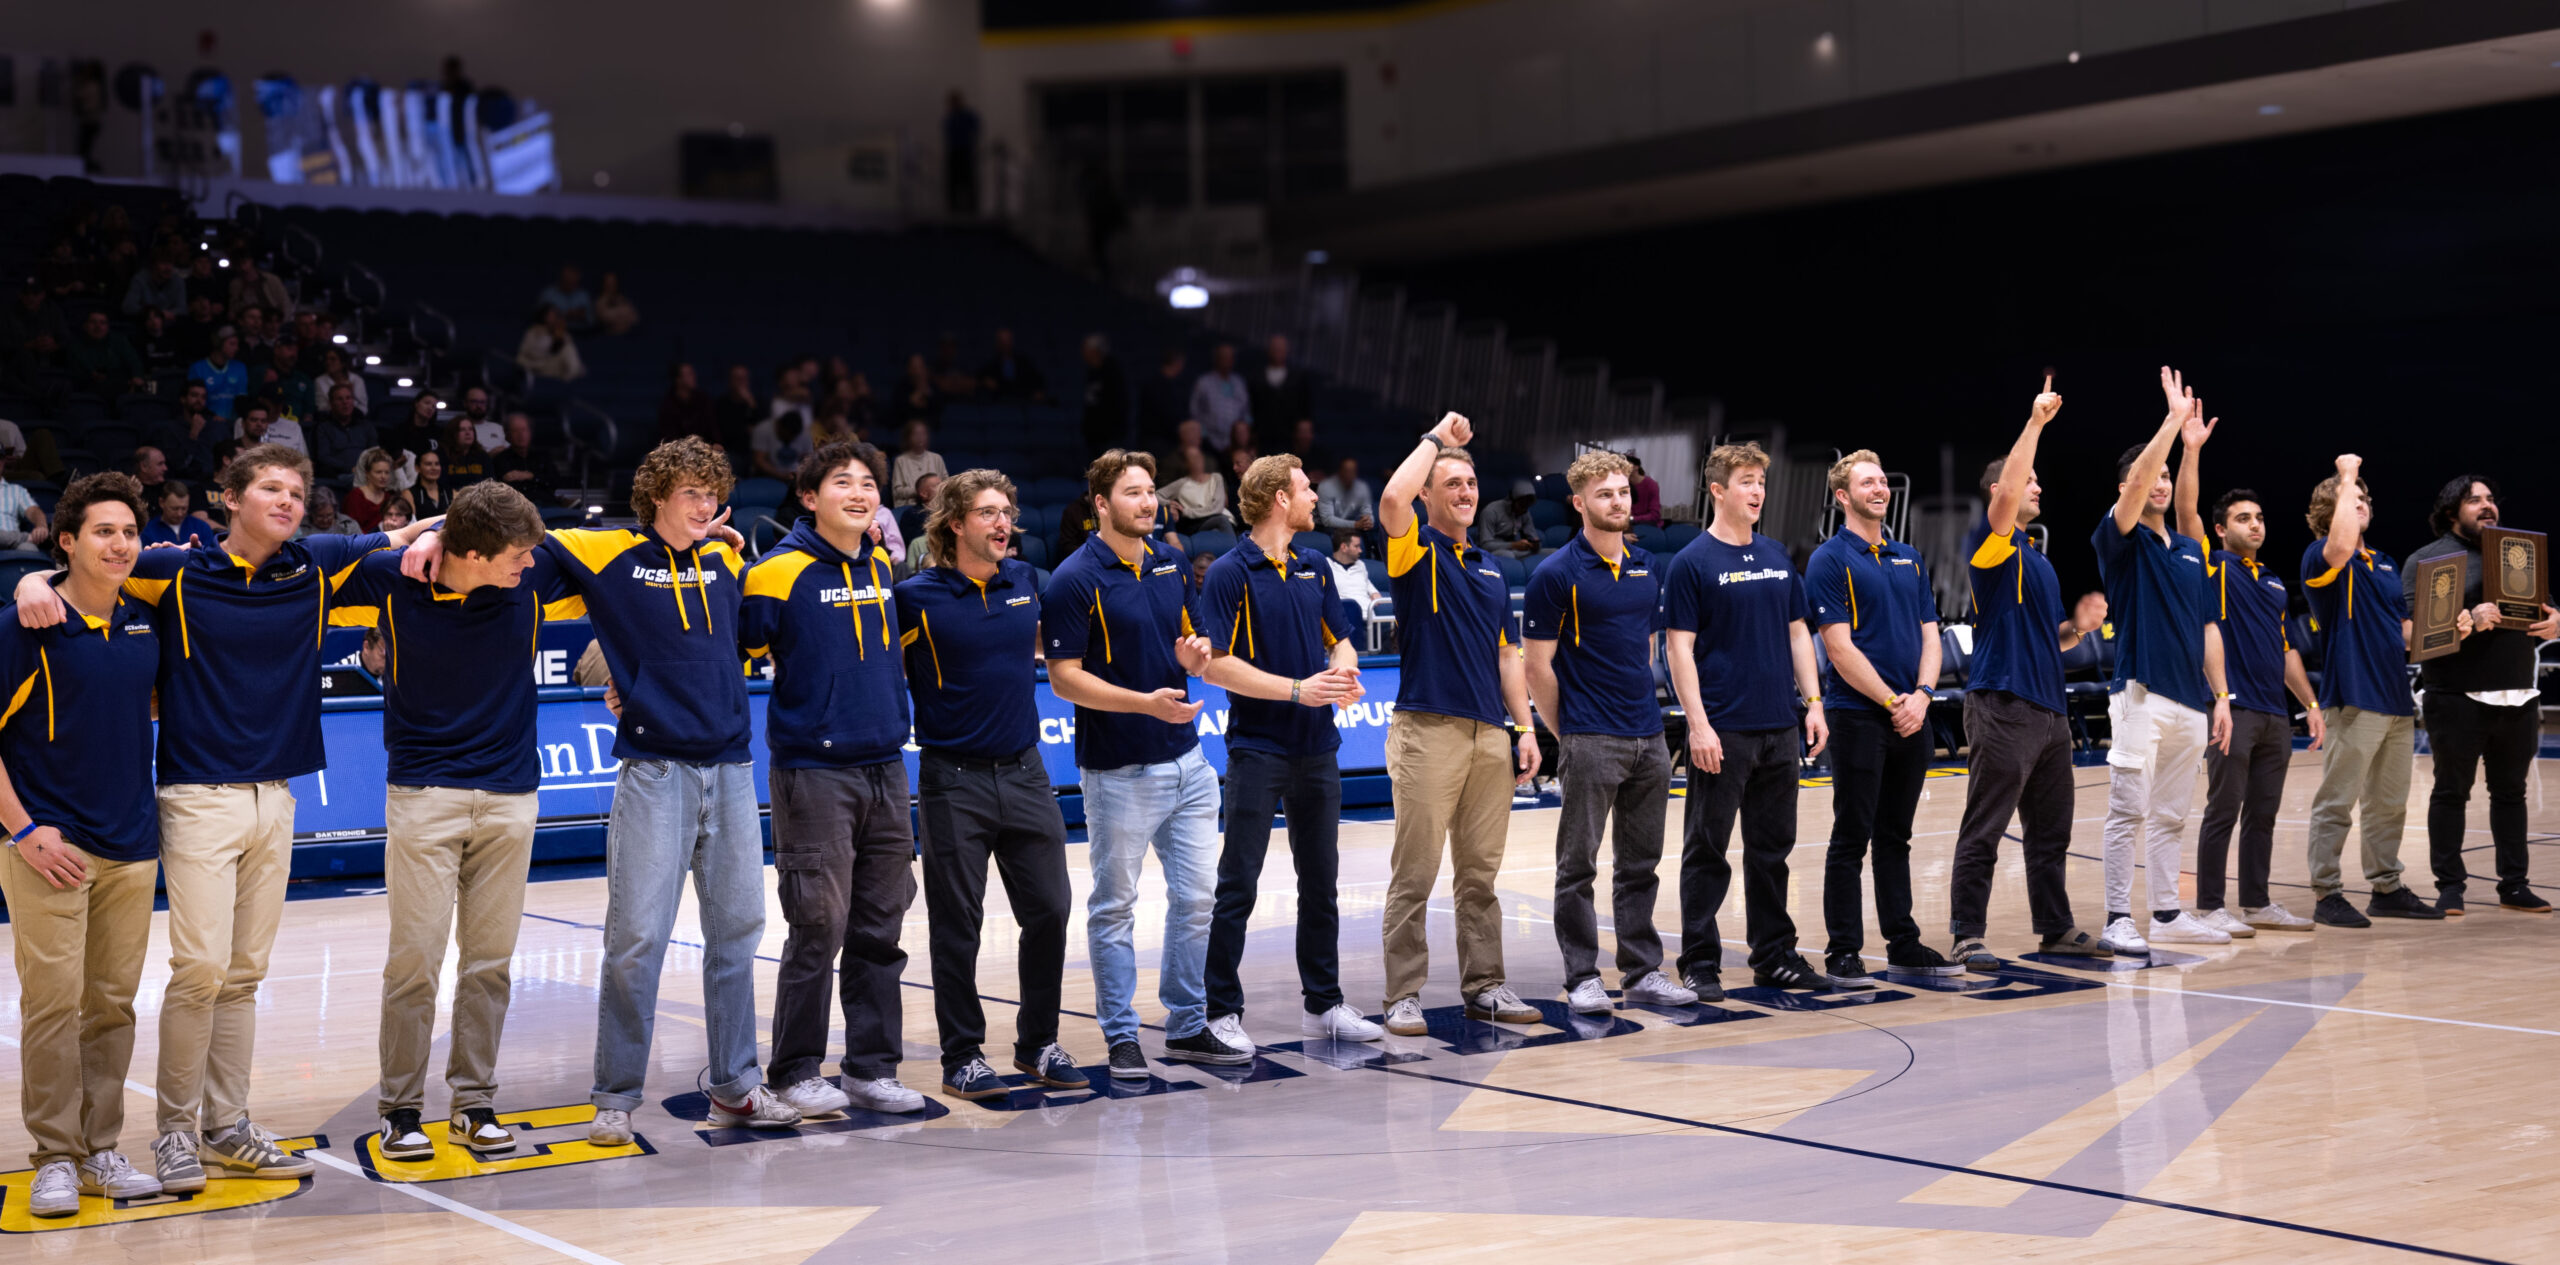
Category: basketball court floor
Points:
column 2333, row 1096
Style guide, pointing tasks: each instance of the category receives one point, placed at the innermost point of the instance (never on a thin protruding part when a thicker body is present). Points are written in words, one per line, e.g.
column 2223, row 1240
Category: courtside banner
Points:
column 573, row 737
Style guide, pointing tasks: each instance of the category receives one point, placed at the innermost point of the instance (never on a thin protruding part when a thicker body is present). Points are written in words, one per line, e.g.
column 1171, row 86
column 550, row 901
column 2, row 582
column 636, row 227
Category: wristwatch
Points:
column 1293, row 690
column 1436, row 441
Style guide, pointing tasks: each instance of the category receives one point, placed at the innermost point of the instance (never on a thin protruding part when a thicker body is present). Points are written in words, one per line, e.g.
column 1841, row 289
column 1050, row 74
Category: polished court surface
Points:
column 2330, row 1096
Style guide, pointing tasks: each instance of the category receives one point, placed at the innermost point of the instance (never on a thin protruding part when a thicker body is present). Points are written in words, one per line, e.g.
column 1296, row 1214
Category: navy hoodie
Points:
column 668, row 621
column 827, row 620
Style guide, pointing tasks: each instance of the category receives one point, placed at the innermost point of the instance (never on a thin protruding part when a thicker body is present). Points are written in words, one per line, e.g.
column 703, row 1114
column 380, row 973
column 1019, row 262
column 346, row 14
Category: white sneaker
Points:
column 816, row 1096
column 1657, row 989
column 2224, row 921
column 1589, row 998
column 109, row 1174
column 55, row 1192
column 2275, row 918
column 2122, row 936
column 611, row 1127
column 1341, row 1023
column 1405, row 1018
column 1230, row 1029
column 884, row 1094
column 2186, row 928
column 761, row 1110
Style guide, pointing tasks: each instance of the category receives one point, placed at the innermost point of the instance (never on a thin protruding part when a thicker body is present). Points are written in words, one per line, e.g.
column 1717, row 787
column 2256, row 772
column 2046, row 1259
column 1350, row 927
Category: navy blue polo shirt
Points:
column 1280, row 615
column 240, row 654
column 1453, row 624
column 458, row 694
column 1602, row 614
column 75, row 726
column 1881, row 591
column 2017, row 617
column 823, row 616
column 1740, row 601
column 969, row 650
column 2156, row 592
column 2359, row 606
column 1121, row 619
column 2248, row 603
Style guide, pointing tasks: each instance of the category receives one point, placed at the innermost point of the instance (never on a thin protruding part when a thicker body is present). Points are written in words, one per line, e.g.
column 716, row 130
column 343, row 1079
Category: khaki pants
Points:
column 2365, row 773
column 1451, row 779
column 450, row 847
column 80, row 953
column 225, row 853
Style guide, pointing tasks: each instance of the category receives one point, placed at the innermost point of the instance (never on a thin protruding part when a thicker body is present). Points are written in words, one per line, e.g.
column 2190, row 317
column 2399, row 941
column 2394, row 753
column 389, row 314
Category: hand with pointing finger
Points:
column 2047, row 403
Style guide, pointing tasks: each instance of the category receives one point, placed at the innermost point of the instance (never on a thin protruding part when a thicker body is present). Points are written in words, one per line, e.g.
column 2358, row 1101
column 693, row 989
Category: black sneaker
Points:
column 2400, row 902
column 1848, row 972
column 973, row 1080
column 1200, row 1047
column 2075, row 943
column 1128, row 1062
column 2334, row 911
column 1791, row 972
column 1708, row 985
column 2523, row 900
column 1976, row 956
column 2449, row 901
column 404, row 1139
column 1052, row 1067
column 1916, row 958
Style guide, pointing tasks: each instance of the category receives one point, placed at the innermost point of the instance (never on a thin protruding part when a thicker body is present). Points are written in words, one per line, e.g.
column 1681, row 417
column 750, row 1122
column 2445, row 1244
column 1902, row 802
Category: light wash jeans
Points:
column 671, row 818
column 1174, row 807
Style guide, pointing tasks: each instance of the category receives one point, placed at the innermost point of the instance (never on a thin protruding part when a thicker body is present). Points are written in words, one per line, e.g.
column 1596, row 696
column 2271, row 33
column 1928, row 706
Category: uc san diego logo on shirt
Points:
column 1744, row 577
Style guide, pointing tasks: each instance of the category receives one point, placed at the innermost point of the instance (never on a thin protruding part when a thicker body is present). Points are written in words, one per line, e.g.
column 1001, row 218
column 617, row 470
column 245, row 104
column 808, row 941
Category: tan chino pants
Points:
column 225, row 853
column 79, row 957
column 1451, row 778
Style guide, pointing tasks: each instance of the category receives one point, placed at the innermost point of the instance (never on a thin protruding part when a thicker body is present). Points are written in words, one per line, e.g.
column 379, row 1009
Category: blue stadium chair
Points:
column 1035, row 551
column 16, row 564
column 1515, row 573
column 1555, row 537
column 1316, row 540
column 1039, row 579
column 1676, row 536
column 1651, row 538
column 1378, row 577
column 2084, row 689
column 911, row 522
column 763, row 533
column 1212, row 543
column 1546, row 514
column 1054, row 490
column 1553, row 487
column 759, row 491
column 1038, row 520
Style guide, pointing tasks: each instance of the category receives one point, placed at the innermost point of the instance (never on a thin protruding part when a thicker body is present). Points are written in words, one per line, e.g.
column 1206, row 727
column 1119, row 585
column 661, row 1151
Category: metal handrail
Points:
column 347, row 286
column 422, row 310
column 293, row 233
column 586, row 450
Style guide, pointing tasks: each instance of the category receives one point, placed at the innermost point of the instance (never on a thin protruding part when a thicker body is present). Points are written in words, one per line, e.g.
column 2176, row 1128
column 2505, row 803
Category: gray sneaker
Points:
column 883, row 1094
column 1656, row 989
column 1404, row 1018
column 173, row 1157
column 817, row 1096
column 56, row 1191
column 109, row 1174
column 1590, row 997
column 611, row 1127
column 249, row 1151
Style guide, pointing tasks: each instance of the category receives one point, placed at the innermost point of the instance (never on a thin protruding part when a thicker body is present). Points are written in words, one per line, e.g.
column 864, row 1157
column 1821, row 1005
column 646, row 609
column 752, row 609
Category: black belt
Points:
column 980, row 764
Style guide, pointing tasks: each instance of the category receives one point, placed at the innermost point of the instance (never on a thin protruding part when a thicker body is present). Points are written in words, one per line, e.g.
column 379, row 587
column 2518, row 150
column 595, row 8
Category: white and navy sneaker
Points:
column 1340, row 1023
column 761, row 1110
column 882, row 1093
column 1230, row 1029
column 1205, row 1046
column 817, row 1096
column 973, row 1080
column 110, row 1175
column 404, row 1139
column 1654, row 988
column 1589, row 998
column 1404, row 1018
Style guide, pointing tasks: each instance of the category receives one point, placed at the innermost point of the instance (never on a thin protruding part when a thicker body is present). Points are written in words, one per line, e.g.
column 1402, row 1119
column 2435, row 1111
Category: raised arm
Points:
column 1395, row 505
column 2346, row 524
column 2194, row 431
column 2154, row 458
column 2019, row 468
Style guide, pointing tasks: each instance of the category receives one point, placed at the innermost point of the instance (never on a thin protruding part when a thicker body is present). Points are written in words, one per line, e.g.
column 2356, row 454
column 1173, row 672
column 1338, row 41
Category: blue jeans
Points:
column 1174, row 807
column 671, row 818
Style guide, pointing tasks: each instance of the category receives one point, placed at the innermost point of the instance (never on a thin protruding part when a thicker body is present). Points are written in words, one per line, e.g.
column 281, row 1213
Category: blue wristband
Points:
column 31, row 829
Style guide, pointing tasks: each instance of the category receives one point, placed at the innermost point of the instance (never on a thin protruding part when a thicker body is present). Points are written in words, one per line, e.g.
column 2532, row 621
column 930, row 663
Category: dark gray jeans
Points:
column 843, row 856
column 1630, row 777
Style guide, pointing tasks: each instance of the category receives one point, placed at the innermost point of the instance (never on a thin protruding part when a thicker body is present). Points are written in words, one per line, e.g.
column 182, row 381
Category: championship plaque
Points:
column 2433, row 632
column 2515, row 574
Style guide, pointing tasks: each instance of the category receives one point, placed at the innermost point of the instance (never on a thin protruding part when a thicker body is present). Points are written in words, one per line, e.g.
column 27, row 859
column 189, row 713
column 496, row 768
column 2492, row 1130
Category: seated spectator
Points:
column 323, row 518
column 1351, row 577
column 520, row 465
column 340, row 440
column 411, row 433
column 192, row 334
column 1106, row 398
column 1199, row 497
column 336, row 371
column 852, row 393
column 372, row 491
column 615, row 312
column 1164, row 401
column 258, row 424
column 257, row 348
column 1302, row 445
column 1010, row 376
column 35, row 316
column 1282, row 396
column 203, row 281
column 547, row 351
column 399, row 513
column 916, row 401
column 429, row 495
column 1344, row 501
column 791, row 394
column 831, row 426
column 1240, row 458
column 475, row 410
column 1648, row 497
column 173, row 521
column 157, row 286
column 1239, row 438
column 1504, row 526
column 916, row 459
column 568, row 297
column 949, row 379
column 159, row 351
column 102, row 362
column 465, row 461
column 737, row 412
column 685, row 410
column 777, row 444
column 1219, row 400
column 66, row 273
column 225, row 379
column 925, row 489
column 22, row 525
column 1200, row 563
column 252, row 286
column 287, row 382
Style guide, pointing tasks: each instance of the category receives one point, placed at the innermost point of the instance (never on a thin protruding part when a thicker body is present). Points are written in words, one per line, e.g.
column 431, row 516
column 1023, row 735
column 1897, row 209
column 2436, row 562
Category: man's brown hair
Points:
column 1991, row 475
column 1595, row 465
column 488, row 519
column 2324, row 502
column 1728, row 458
column 111, row 487
column 242, row 470
column 951, row 503
column 1105, row 472
column 673, row 464
column 1846, row 468
column 1263, row 483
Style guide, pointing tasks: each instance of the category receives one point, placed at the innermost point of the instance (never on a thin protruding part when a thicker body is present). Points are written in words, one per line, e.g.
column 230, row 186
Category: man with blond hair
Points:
column 1462, row 711
column 1588, row 625
column 1878, row 621
column 1280, row 646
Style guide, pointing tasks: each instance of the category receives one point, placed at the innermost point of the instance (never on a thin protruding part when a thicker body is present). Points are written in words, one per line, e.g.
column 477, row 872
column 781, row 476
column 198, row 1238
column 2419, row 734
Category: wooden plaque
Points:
column 2433, row 632
column 2515, row 574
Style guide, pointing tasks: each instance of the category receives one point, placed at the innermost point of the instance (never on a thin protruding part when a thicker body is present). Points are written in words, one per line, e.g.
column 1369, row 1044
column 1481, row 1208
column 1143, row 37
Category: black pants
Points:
column 1875, row 788
column 2020, row 763
column 1608, row 776
column 2244, row 789
column 2465, row 733
column 1758, row 784
column 844, row 860
column 974, row 810
column 1309, row 790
